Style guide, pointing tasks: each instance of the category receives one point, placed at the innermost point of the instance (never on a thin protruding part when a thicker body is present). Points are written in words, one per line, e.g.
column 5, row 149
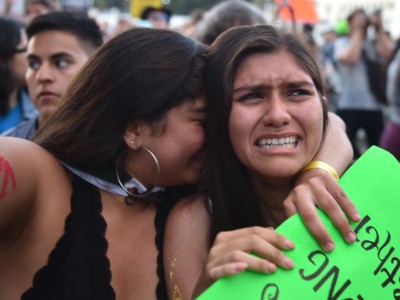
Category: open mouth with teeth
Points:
column 286, row 142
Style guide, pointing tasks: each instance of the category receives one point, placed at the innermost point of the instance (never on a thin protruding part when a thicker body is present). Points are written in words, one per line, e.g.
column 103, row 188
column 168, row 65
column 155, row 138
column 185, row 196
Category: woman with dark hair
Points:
column 15, row 104
column 267, row 119
column 135, row 109
column 129, row 128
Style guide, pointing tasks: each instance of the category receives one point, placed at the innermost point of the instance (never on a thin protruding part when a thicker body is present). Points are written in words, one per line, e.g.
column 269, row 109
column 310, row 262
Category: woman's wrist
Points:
column 316, row 164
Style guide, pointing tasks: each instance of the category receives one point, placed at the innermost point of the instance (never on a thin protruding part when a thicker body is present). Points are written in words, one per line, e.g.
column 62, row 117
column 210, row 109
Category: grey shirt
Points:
column 355, row 91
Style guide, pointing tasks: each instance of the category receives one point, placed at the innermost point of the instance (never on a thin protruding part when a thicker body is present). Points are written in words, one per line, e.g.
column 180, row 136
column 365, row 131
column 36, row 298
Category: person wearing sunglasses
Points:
column 15, row 104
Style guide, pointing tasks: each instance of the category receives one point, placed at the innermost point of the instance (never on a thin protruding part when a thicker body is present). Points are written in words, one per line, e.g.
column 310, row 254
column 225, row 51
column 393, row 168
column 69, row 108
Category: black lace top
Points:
column 78, row 267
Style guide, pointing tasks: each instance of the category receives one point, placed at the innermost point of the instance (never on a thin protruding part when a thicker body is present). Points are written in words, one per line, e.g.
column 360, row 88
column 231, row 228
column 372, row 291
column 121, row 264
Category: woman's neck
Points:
column 272, row 195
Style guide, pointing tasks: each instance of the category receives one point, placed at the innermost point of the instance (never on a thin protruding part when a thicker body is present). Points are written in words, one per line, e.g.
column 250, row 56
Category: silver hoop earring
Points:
column 148, row 192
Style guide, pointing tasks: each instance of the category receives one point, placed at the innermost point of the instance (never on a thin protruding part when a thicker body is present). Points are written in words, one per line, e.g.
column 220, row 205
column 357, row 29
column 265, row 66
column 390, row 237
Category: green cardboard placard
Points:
column 367, row 269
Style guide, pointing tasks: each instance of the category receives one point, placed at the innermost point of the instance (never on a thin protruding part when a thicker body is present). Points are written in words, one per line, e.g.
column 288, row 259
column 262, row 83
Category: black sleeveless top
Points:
column 78, row 267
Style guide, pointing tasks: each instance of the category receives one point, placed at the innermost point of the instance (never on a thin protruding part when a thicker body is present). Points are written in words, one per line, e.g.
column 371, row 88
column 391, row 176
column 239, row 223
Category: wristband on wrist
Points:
column 316, row 164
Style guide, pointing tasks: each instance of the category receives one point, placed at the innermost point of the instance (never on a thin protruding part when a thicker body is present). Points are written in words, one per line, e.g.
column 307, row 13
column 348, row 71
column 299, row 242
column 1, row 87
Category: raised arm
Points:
column 351, row 55
column 336, row 149
column 384, row 43
column 316, row 187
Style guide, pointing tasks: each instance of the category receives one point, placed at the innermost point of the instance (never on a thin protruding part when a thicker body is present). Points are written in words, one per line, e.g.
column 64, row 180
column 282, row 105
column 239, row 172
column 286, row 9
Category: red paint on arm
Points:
column 7, row 179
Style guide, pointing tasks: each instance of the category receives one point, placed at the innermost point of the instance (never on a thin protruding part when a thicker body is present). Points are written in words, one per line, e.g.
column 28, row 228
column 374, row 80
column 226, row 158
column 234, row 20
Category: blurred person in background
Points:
column 328, row 67
column 195, row 17
column 328, row 35
column 15, row 105
column 59, row 45
column 157, row 17
column 34, row 8
column 224, row 15
column 307, row 35
column 7, row 7
column 124, row 23
column 390, row 138
column 358, row 105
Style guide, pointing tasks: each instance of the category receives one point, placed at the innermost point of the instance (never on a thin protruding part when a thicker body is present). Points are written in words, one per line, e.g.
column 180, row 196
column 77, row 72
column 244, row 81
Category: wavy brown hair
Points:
column 234, row 201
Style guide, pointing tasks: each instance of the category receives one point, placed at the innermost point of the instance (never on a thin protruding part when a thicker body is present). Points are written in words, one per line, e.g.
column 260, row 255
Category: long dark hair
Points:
column 234, row 201
column 10, row 37
column 138, row 75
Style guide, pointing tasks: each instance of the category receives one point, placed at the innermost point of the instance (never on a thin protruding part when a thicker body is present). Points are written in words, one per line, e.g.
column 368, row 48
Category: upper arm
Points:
column 335, row 122
column 185, row 246
column 19, row 175
column 336, row 148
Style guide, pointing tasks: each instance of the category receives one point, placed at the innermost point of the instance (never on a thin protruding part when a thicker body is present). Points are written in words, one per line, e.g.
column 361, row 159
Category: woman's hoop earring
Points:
column 134, row 196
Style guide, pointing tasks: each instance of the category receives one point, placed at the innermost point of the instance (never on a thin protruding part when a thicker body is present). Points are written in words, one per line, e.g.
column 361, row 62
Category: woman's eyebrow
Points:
column 258, row 87
column 54, row 56
column 246, row 88
column 297, row 84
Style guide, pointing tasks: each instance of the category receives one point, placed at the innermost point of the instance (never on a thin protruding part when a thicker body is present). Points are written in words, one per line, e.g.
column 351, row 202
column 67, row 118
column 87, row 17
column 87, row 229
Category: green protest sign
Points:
column 368, row 269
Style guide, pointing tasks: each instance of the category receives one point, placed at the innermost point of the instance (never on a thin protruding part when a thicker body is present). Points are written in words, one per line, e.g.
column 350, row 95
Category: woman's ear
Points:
column 134, row 134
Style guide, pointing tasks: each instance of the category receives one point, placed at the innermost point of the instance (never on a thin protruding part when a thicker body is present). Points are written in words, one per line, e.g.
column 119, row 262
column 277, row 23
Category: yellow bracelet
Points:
column 315, row 164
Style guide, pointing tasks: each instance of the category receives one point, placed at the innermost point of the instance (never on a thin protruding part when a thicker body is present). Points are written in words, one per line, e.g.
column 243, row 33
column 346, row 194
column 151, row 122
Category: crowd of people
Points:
column 150, row 163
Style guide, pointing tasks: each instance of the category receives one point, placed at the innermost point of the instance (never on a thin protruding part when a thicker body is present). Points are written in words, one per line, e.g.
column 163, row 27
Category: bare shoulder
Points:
column 16, row 147
column 29, row 175
column 25, row 156
column 35, row 194
column 336, row 121
column 189, row 212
